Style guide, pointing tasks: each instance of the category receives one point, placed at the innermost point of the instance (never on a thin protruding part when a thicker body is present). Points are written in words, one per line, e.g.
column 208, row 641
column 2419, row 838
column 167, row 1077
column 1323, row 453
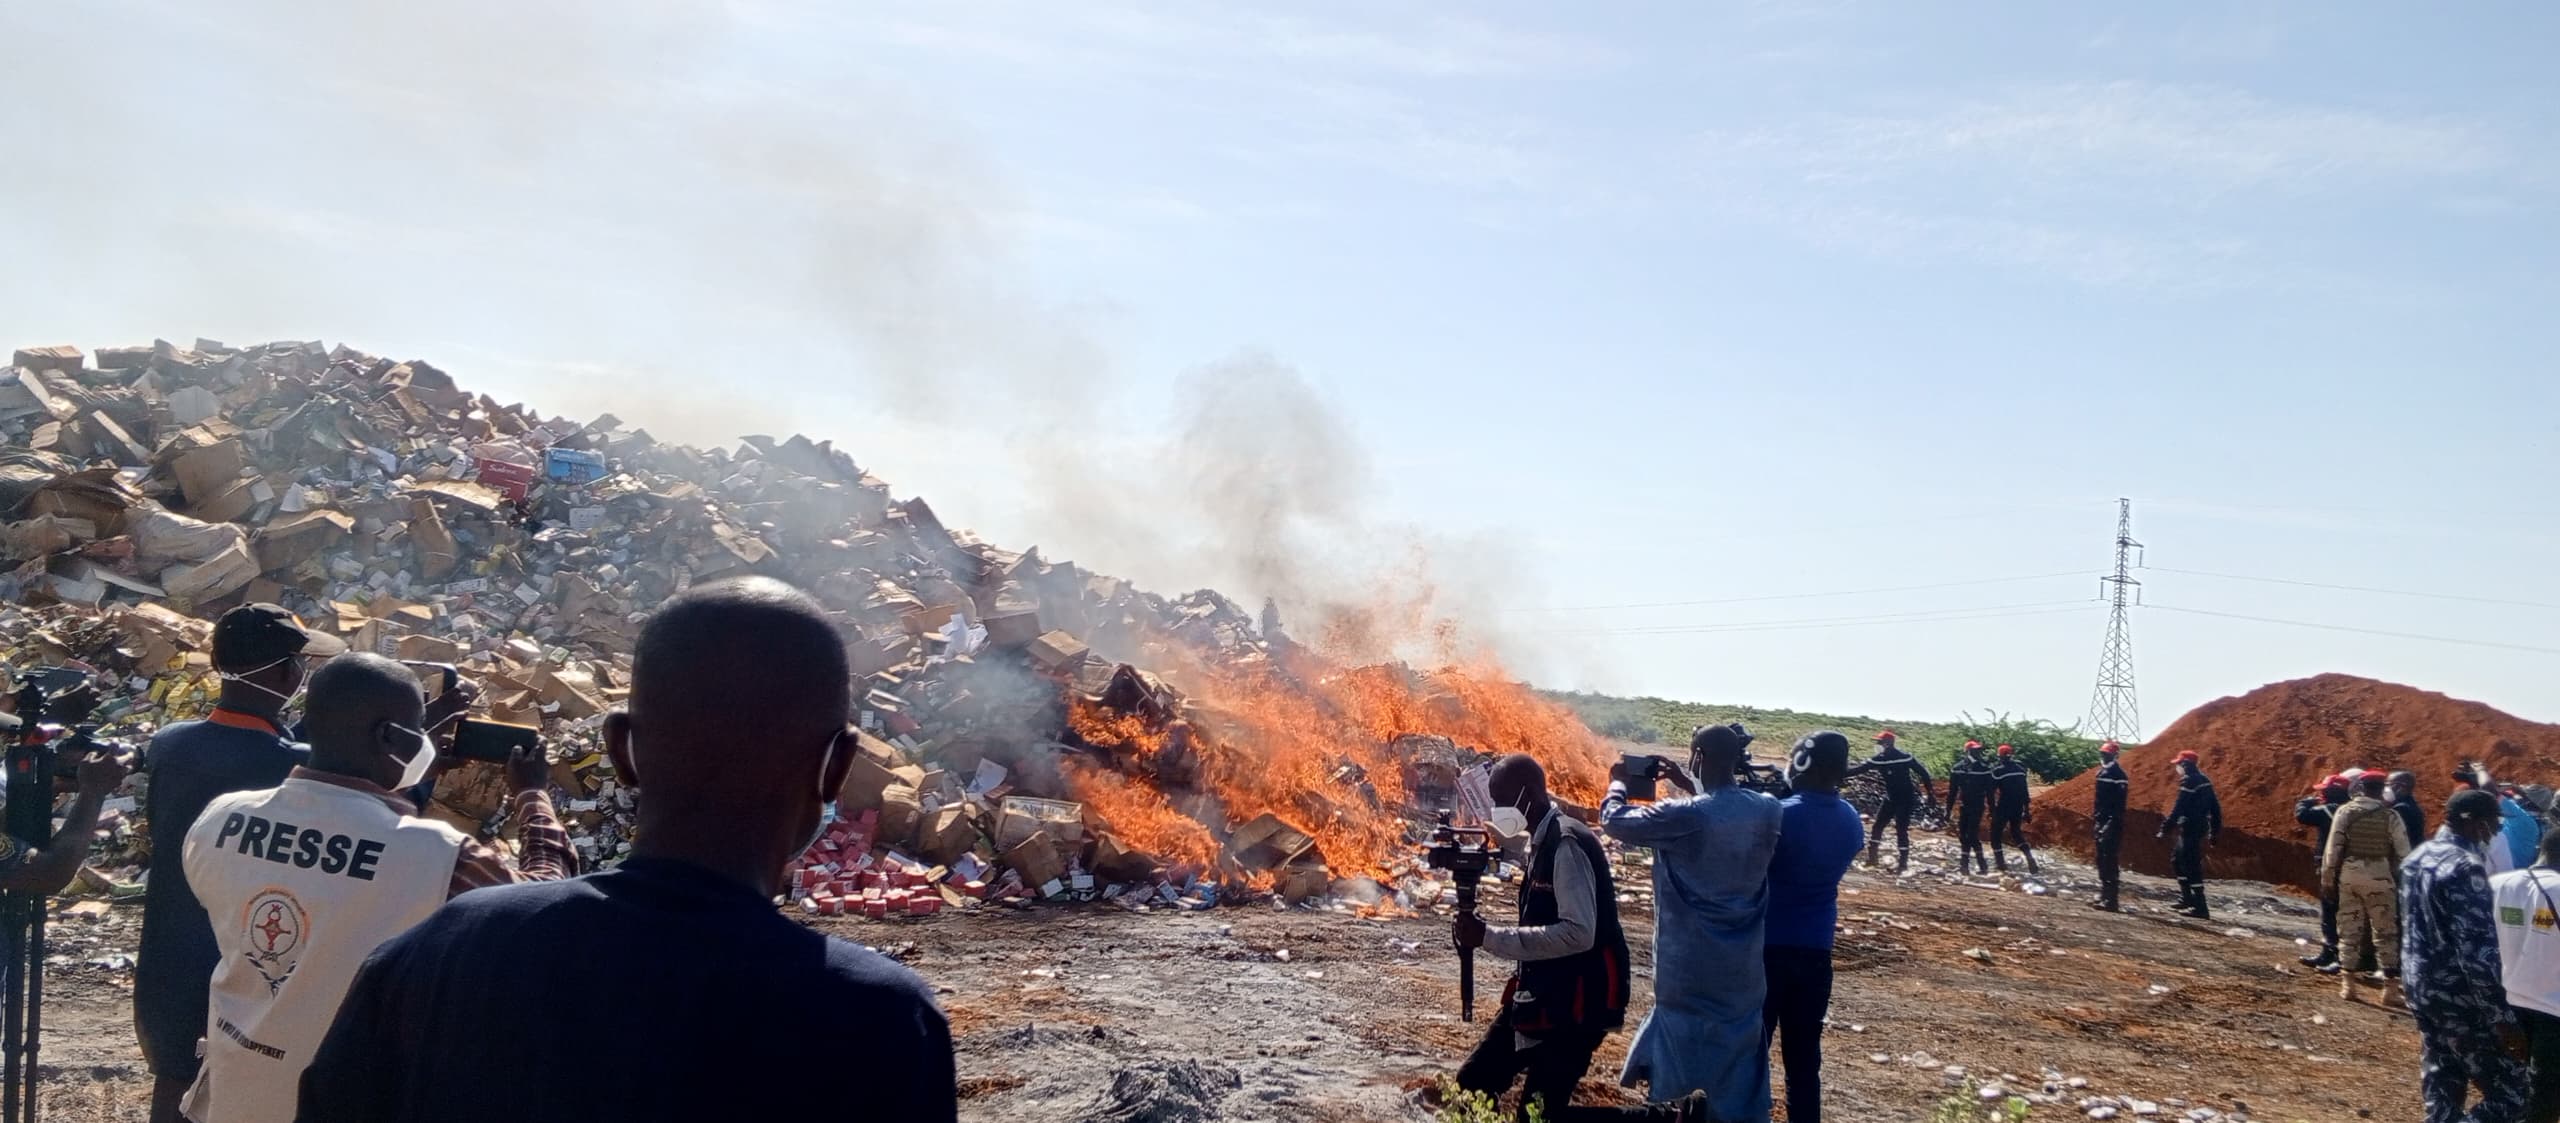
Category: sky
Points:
column 1791, row 354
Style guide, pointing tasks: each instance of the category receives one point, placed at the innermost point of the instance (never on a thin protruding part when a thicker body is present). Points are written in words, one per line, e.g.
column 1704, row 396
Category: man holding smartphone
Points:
column 304, row 880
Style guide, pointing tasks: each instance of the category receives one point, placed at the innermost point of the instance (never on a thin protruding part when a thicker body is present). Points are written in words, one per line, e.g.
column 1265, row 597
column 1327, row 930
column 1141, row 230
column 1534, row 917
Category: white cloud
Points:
column 2199, row 142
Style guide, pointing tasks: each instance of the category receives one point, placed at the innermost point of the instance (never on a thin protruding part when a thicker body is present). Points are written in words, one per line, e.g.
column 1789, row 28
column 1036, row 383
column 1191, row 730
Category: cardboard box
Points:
column 1036, row 859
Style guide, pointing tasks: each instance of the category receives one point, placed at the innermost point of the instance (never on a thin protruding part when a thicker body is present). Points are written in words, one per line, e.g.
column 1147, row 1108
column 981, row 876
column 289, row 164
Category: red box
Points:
column 875, row 909
column 515, row 481
column 924, row 906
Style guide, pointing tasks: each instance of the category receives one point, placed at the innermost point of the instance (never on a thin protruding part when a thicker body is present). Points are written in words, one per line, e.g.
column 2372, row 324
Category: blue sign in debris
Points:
column 570, row 465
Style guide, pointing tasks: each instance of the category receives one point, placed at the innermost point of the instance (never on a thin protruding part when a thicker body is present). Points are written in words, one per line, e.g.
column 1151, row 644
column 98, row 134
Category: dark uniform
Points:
column 1972, row 782
column 193, row 763
column 1904, row 778
column 2318, row 811
column 2197, row 818
column 2010, row 811
column 2106, row 816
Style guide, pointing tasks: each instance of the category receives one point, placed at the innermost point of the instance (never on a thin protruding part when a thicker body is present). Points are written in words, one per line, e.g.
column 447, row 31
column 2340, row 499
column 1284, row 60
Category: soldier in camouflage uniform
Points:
column 2467, row 1037
column 2359, row 870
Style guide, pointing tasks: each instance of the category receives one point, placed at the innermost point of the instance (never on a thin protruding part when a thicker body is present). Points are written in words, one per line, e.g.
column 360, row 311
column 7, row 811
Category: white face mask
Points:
column 282, row 699
column 1510, row 820
column 415, row 768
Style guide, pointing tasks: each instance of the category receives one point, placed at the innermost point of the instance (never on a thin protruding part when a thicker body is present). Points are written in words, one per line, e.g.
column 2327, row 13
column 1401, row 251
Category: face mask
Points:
column 826, row 811
column 282, row 700
column 415, row 768
column 1510, row 820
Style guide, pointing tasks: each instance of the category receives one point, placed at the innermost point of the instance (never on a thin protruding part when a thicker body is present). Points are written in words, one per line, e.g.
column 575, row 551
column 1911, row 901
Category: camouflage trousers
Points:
column 2368, row 915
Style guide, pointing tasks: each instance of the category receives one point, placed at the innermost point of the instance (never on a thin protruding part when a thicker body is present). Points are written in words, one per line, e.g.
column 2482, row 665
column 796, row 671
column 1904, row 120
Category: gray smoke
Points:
column 808, row 222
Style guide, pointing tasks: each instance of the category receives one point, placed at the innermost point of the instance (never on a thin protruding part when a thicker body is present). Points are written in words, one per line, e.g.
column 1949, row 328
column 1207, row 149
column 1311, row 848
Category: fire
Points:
column 1311, row 744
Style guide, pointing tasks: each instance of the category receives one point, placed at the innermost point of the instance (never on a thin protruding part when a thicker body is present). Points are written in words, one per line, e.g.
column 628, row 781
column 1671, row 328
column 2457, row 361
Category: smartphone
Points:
column 441, row 684
column 1642, row 776
column 492, row 741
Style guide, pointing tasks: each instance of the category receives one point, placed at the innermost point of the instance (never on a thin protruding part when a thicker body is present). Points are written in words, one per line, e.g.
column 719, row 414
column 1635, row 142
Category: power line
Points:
column 2359, row 631
column 2358, row 588
column 1813, row 596
column 1982, row 612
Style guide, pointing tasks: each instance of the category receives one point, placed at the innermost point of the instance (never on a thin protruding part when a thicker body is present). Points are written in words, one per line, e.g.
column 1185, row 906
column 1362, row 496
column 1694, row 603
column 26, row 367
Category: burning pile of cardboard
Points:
column 145, row 492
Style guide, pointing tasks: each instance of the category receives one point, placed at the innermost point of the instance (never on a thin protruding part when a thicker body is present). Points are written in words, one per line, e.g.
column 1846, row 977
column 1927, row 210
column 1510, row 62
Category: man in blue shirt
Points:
column 712, row 1005
column 1818, row 836
column 258, row 650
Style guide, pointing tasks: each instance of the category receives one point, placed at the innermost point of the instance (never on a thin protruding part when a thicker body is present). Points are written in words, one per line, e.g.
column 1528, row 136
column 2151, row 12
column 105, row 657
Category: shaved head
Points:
column 740, row 692
column 741, row 655
column 353, row 699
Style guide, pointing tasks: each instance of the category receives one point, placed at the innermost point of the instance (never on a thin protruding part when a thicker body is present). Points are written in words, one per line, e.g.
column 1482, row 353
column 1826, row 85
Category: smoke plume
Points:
column 660, row 176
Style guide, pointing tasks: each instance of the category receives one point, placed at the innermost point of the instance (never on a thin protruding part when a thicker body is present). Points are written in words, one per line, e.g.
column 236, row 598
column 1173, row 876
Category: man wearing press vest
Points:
column 303, row 881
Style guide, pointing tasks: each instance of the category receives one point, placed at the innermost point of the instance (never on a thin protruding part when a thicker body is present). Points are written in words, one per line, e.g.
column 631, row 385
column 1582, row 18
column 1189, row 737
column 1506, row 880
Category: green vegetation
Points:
column 1968, row 1106
column 1458, row 1105
column 2053, row 752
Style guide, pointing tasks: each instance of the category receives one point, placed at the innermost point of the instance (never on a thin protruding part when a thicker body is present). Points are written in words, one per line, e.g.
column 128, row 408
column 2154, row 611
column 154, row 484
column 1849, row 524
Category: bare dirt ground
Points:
column 1252, row 1013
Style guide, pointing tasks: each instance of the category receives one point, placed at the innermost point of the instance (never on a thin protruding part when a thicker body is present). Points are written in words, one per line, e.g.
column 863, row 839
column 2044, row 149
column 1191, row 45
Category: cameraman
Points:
column 27, row 867
column 1570, row 989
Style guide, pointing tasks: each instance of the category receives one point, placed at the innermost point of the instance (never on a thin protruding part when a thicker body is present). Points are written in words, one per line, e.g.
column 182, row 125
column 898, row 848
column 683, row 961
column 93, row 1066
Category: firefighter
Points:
column 2197, row 817
column 2318, row 811
column 1898, row 769
column 2106, row 816
column 2010, row 809
column 1971, row 781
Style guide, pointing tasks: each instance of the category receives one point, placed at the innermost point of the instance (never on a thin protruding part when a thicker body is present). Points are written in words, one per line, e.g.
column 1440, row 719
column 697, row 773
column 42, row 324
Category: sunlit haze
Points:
column 1782, row 354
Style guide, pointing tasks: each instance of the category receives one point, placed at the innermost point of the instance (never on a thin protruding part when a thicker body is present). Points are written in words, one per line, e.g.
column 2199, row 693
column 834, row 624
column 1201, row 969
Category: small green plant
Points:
column 1458, row 1105
column 1968, row 1106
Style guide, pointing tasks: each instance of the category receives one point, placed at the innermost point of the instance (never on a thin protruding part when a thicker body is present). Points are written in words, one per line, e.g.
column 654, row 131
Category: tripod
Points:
column 22, row 915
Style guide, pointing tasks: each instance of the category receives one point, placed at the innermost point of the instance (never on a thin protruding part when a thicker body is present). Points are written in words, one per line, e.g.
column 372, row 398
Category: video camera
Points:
column 51, row 734
column 46, row 739
column 1466, row 853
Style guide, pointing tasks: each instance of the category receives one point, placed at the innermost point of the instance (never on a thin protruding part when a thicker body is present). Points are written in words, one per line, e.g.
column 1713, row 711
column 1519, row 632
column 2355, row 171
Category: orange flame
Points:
column 1312, row 746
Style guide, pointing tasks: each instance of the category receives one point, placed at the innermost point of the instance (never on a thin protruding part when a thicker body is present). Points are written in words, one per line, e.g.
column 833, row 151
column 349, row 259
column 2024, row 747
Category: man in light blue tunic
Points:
column 1711, row 856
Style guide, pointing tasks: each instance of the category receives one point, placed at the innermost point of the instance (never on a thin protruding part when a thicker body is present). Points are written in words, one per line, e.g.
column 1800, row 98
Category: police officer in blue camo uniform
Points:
column 2467, row 1036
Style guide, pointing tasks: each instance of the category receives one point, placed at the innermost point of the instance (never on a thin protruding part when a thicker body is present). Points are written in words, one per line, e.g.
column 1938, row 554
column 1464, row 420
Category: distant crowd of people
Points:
column 2460, row 927
column 315, row 948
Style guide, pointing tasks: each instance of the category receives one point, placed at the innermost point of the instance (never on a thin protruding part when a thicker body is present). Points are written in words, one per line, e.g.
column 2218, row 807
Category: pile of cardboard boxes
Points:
column 144, row 490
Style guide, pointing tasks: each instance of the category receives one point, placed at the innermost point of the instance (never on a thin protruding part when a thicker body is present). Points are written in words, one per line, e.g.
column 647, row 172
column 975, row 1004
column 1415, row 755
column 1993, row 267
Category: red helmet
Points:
column 1972, row 745
column 2109, row 748
column 1887, row 735
column 2187, row 757
column 2008, row 750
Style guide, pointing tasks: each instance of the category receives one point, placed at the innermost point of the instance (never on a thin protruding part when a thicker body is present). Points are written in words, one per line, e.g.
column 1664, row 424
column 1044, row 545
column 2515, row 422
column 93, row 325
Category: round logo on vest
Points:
column 273, row 927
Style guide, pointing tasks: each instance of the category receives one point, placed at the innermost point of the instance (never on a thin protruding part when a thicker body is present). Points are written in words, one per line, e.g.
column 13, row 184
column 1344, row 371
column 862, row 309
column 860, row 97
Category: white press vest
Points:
column 2528, row 935
column 302, row 882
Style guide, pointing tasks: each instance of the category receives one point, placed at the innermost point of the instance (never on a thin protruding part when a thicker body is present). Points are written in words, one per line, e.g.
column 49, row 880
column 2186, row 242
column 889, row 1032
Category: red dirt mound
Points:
column 2266, row 748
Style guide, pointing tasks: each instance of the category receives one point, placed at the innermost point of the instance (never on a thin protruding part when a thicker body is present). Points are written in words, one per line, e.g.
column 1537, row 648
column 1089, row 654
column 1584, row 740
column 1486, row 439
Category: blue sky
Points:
column 1658, row 303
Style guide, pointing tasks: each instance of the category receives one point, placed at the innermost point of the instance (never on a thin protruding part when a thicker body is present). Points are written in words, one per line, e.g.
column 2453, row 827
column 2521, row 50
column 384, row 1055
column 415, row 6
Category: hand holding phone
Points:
column 494, row 741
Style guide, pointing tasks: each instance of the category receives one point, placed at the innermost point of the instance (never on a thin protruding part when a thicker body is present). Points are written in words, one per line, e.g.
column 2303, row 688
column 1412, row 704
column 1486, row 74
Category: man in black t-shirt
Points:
column 259, row 652
column 715, row 1006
